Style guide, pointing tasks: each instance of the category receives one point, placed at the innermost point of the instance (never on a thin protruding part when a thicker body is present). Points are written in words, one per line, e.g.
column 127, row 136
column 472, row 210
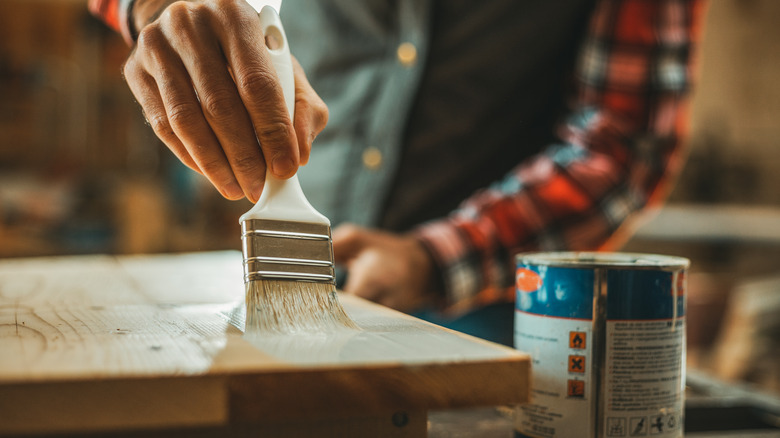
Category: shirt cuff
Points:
column 126, row 26
column 453, row 256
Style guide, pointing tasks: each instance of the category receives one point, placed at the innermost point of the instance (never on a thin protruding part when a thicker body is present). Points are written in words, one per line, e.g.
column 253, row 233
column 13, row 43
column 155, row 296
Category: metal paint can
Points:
column 606, row 334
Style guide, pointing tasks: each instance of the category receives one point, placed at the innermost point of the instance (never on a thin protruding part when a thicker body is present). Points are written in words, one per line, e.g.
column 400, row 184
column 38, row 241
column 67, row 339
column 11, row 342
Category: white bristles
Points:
column 284, row 306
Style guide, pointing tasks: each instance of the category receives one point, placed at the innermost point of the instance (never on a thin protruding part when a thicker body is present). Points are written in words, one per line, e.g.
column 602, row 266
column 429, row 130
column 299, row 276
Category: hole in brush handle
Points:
column 274, row 39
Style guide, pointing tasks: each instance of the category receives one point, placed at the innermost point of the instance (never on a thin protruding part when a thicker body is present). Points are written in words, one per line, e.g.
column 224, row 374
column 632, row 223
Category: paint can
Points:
column 606, row 334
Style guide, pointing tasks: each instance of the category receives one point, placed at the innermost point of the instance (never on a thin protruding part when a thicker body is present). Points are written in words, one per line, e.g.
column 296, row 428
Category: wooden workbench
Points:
column 156, row 343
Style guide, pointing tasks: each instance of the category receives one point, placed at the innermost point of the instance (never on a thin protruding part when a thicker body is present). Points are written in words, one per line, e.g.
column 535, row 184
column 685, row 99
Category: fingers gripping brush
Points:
column 288, row 252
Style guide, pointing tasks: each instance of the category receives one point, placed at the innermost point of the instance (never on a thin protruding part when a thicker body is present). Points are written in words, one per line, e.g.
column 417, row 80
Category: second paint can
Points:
column 606, row 333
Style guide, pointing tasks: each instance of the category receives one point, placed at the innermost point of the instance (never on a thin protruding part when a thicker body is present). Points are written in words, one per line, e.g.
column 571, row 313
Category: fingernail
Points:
column 233, row 190
column 283, row 166
column 256, row 190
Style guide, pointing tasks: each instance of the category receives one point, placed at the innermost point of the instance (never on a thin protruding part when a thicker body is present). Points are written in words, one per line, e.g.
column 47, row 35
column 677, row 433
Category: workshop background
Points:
column 80, row 172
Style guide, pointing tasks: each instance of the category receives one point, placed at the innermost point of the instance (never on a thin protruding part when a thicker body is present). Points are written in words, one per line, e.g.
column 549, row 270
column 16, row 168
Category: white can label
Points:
column 634, row 387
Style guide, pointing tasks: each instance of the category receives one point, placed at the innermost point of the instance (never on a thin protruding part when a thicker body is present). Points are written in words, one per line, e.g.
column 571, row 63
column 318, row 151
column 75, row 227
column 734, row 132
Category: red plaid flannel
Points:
column 115, row 14
column 620, row 147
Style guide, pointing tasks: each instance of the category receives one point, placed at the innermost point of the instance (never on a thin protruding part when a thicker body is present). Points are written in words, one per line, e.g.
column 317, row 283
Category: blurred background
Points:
column 80, row 172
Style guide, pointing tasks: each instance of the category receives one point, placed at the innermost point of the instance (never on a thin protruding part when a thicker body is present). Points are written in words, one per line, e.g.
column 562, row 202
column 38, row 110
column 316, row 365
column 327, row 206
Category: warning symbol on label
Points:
column 616, row 426
column 657, row 425
column 638, row 426
column 576, row 364
column 671, row 422
column 577, row 340
column 576, row 388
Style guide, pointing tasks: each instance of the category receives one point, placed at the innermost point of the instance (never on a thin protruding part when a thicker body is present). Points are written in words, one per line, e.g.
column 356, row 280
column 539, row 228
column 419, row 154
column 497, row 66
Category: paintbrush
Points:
column 288, row 252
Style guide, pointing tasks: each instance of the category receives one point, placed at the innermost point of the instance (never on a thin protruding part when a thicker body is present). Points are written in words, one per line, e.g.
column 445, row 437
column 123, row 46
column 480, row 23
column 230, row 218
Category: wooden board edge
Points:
column 112, row 404
column 366, row 390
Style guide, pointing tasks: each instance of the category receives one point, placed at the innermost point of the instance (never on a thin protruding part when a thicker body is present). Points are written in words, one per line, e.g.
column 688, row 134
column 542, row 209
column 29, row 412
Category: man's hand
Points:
column 202, row 75
column 390, row 269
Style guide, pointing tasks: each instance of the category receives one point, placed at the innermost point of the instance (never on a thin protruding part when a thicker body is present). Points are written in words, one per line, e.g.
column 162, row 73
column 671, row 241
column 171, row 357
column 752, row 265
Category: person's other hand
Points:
column 201, row 72
column 390, row 269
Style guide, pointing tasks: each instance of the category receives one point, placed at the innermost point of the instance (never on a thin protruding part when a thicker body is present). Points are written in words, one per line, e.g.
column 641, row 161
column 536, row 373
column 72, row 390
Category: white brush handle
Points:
column 282, row 199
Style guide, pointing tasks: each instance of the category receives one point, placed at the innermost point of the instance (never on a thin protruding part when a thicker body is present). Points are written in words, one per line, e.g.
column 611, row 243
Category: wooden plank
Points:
column 324, row 393
column 147, row 405
column 104, row 333
column 105, row 405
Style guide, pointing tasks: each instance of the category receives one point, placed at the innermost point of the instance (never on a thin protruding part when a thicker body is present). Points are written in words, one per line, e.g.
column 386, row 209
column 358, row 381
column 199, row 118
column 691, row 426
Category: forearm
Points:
column 572, row 197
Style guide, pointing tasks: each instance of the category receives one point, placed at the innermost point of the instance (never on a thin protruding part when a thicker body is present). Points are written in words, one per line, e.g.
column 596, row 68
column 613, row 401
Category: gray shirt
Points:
column 429, row 100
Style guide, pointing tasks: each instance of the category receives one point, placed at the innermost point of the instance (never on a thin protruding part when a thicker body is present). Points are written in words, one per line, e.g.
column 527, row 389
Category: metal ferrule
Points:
column 284, row 250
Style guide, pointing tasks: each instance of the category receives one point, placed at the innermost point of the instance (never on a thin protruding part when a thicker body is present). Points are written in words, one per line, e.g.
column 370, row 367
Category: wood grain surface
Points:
column 96, row 343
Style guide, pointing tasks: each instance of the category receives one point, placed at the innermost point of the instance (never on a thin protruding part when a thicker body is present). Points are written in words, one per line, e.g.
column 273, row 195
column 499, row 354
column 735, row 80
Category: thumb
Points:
column 348, row 241
column 362, row 280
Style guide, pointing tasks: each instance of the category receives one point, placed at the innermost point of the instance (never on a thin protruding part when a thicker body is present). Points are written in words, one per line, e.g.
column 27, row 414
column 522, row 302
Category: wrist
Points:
column 434, row 281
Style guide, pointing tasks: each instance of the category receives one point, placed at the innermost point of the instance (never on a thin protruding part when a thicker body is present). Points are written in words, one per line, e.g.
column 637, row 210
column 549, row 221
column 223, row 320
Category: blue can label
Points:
column 635, row 317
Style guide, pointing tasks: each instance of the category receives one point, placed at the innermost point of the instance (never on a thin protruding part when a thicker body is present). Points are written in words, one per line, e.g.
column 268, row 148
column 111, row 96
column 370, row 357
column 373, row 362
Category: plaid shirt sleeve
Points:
column 618, row 150
column 115, row 13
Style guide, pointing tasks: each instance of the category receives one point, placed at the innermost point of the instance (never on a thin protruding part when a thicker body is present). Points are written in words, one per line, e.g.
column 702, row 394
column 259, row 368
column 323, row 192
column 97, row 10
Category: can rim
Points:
column 591, row 259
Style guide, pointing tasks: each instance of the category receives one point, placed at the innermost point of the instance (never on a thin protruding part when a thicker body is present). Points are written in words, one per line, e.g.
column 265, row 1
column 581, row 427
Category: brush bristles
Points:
column 284, row 306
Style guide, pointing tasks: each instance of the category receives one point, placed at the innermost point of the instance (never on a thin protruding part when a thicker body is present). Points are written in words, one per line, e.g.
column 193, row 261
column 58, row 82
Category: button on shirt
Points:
column 407, row 54
column 365, row 59
column 491, row 128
